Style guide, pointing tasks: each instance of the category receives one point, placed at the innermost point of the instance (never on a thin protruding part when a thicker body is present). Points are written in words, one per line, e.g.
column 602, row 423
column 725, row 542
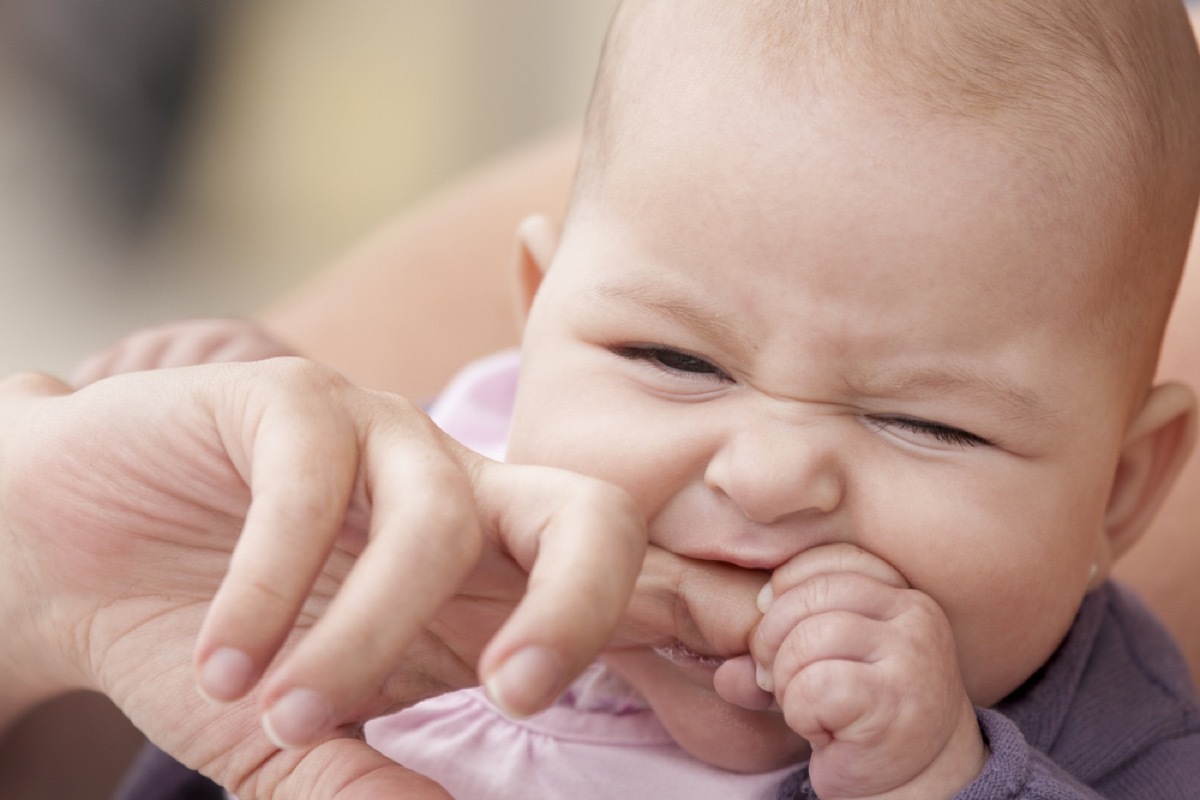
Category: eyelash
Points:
column 672, row 361
column 677, row 362
column 945, row 434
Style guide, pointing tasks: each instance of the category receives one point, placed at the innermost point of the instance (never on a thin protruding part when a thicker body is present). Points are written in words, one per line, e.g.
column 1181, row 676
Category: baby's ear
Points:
column 1156, row 447
column 537, row 241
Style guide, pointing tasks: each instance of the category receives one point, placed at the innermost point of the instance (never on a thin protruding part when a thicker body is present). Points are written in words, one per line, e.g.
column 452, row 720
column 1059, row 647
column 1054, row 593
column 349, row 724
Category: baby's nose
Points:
column 775, row 471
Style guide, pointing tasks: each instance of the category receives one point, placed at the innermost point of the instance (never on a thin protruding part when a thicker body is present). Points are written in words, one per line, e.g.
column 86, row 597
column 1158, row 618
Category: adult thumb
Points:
column 337, row 769
column 706, row 605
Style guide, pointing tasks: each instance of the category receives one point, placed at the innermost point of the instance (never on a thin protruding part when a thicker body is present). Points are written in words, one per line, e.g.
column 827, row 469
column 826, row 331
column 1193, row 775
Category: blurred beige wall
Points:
column 315, row 121
column 322, row 117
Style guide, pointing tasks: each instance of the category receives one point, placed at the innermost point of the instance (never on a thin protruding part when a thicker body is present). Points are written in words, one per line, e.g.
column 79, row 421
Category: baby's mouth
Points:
column 679, row 653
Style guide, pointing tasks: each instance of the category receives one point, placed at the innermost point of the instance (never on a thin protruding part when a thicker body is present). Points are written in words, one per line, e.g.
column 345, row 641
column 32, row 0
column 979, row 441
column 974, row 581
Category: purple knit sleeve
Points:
column 1169, row 769
column 1015, row 771
column 1012, row 770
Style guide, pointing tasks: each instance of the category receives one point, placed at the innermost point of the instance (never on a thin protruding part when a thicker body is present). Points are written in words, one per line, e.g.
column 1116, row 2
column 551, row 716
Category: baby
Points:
column 868, row 296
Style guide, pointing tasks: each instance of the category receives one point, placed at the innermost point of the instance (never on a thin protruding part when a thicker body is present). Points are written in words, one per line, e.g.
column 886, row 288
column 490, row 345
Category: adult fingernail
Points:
column 527, row 682
column 226, row 675
column 297, row 719
column 766, row 596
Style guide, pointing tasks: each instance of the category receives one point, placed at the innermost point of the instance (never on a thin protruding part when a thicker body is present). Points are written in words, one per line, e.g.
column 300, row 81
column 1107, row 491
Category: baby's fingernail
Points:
column 226, row 675
column 765, row 597
column 297, row 719
column 763, row 678
column 527, row 682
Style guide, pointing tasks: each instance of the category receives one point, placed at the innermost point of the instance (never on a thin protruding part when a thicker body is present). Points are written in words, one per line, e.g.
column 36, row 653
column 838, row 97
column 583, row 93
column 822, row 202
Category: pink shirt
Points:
column 599, row 741
column 595, row 743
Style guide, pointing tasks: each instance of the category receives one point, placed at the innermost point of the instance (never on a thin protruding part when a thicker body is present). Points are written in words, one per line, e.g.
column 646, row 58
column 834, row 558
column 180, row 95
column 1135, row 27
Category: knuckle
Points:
column 820, row 685
column 818, row 593
column 270, row 600
column 294, row 374
column 454, row 528
column 600, row 500
column 34, row 383
column 317, row 502
column 595, row 493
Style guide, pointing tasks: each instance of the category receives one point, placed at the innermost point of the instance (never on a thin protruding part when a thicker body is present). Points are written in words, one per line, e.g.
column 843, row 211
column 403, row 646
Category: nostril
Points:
column 772, row 478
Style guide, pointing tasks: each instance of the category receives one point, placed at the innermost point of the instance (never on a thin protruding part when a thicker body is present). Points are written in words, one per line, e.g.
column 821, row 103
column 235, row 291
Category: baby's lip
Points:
column 679, row 653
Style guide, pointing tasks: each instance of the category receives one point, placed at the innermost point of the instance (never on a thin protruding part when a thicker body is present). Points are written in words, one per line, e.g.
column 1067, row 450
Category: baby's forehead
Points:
column 1099, row 96
column 1110, row 76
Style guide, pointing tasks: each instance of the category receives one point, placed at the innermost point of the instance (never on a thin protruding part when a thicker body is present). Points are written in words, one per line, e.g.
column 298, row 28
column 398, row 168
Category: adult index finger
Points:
column 583, row 542
column 302, row 454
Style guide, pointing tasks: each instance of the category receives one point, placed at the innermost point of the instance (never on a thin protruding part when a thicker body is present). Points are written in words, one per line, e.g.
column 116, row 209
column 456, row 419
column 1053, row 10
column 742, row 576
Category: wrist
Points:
column 29, row 671
column 955, row 767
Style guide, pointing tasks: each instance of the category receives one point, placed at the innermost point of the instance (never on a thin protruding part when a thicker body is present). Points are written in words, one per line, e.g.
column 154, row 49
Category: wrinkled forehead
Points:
column 703, row 119
column 843, row 196
column 719, row 89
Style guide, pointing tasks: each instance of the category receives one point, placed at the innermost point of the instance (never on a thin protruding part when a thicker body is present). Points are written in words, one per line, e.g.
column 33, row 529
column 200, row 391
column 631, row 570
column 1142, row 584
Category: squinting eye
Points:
column 671, row 360
column 945, row 434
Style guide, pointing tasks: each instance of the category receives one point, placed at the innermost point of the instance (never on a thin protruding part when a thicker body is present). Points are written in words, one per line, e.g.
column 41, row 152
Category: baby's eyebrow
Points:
column 703, row 318
column 995, row 389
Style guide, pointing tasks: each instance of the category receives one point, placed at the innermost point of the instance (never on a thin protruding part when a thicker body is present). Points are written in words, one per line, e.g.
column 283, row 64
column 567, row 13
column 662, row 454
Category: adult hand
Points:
column 400, row 551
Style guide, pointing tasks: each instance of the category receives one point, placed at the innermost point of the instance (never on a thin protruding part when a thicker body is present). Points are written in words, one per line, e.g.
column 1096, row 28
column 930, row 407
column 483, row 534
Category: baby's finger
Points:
column 91, row 369
column 250, row 349
column 583, row 542
column 134, row 353
column 302, row 460
column 425, row 539
column 833, row 636
column 138, row 352
column 826, row 699
column 220, row 340
column 822, row 595
column 196, row 346
column 832, row 558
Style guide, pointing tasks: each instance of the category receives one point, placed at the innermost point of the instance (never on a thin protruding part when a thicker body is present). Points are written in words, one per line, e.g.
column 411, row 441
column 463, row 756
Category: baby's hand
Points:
column 865, row 668
column 181, row 344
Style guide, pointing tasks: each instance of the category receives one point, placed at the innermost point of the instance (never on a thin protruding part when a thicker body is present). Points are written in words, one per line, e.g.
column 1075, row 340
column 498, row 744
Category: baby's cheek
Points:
column 998, row 651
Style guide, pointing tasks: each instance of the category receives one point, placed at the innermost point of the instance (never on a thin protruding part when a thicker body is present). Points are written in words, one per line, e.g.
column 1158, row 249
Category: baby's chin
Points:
column 704, row 725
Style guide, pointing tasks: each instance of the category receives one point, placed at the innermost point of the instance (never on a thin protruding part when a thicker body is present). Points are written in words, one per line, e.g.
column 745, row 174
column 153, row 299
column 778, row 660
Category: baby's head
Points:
column 892, row 275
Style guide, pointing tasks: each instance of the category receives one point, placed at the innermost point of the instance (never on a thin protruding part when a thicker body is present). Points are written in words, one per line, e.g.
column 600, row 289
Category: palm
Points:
column 131, row 586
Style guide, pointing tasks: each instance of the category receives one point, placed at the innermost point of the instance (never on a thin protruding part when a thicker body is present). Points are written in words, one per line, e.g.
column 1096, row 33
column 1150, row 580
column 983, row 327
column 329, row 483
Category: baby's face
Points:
column 832, row 325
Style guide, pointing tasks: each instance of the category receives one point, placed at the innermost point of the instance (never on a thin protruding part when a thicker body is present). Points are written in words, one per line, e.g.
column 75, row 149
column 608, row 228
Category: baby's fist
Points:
column 865, row 668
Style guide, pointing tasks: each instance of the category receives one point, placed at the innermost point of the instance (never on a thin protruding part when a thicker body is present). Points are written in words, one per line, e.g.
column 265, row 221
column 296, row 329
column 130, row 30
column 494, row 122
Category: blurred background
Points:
column 175, row 158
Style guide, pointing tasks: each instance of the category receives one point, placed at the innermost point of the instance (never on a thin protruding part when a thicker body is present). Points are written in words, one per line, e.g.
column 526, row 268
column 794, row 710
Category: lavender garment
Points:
column 1113, row 715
